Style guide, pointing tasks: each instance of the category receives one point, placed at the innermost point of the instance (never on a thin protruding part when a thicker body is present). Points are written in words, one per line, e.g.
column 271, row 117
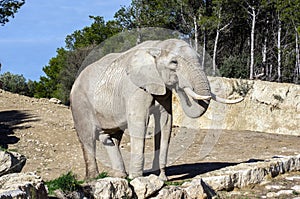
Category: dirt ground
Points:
column 45, row 134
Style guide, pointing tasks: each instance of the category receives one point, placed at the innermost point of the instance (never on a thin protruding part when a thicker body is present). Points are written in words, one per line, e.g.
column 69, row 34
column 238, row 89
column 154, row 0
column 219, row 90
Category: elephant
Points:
column 118, row 91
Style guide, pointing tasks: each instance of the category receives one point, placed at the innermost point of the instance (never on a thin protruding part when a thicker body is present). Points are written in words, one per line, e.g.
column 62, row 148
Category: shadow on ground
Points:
column 9, row 122
column 188, row 171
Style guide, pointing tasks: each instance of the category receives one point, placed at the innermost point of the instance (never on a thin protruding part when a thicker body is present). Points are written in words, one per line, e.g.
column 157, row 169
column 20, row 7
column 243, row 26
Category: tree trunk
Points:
column 264, row 56
column 216, row 43
column 279, row 51
column 215, row 52
column 297, row 66
column 270, row 72
column 264, row 50
column 203, row 50
column 196, row 33
column 252, row 42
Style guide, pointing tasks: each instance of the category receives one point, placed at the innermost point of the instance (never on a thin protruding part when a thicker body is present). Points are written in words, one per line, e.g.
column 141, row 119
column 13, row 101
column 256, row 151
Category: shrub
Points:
column 66, row 183
column 235, row 67
column 14, row 83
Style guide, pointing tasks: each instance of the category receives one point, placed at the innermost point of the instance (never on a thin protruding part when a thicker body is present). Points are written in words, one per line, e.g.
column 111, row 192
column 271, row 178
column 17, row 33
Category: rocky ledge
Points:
column 29, row 185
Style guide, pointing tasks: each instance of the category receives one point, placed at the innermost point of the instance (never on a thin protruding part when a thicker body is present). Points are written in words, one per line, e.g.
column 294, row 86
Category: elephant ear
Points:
column 143, row 72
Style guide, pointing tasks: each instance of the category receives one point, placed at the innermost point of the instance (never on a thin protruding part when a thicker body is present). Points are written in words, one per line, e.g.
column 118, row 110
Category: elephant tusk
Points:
column 226, row 101
column 194, row 95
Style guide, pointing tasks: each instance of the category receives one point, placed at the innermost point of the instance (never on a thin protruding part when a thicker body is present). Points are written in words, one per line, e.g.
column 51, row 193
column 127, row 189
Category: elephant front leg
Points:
column 166, row 124
column 137, row 117
column 137, row 130
column 163, row 125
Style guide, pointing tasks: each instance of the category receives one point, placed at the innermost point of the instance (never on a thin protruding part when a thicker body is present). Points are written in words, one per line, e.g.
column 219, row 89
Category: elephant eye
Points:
column 174, row 62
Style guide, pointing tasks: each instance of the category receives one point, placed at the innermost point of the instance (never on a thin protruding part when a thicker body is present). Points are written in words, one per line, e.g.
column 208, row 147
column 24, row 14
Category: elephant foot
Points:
column 163, row 176
column 91, row 175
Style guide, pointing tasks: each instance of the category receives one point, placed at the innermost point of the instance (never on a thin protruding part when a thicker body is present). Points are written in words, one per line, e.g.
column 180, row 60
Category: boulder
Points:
column 22, row 186
column 171, row 192
column 11, row 162
column 245, row 174
column 111, row 188
column 55, row 101
column 195, row 190
column 146, row 186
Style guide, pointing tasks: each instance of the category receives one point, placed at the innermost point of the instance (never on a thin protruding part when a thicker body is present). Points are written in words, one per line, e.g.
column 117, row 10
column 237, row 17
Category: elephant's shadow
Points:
column 188, row 171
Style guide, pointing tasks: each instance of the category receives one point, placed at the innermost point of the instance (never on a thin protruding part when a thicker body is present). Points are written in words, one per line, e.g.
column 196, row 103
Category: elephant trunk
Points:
column 192, row 78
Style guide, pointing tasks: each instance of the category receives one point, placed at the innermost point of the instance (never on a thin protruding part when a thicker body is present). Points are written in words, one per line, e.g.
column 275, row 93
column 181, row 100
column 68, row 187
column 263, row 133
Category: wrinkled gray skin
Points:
column 118, row 91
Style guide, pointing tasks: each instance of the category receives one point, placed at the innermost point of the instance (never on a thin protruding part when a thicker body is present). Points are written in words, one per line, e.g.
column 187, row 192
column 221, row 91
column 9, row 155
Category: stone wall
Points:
column 267, row 107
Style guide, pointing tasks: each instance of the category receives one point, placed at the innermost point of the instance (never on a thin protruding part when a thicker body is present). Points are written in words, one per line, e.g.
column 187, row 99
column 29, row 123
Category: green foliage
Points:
column 17, row 84
column 278, row 98
column 8, row 8
column 243, row 88
column 48, row 86
column 2, row 149
column 66, row 183
column 155, row 13
column 235, row 66
column 102, row 175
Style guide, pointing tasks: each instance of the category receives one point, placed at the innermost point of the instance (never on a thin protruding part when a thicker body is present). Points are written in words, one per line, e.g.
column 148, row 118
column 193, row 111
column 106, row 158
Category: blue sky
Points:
column 30, row 40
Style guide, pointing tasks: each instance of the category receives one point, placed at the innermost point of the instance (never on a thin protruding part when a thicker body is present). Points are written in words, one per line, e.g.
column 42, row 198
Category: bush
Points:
column 66, row 183
column 14, row 83
column 235, row 67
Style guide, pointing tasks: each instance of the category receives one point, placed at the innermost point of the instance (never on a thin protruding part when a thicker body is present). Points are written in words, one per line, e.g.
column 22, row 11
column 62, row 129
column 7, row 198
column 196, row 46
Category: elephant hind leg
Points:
column 111, row 143
column 86, row 130
column 91, row 167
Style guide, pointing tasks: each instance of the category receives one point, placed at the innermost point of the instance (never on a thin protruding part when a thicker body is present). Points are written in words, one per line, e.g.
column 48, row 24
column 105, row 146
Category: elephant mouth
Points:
column 190, row 96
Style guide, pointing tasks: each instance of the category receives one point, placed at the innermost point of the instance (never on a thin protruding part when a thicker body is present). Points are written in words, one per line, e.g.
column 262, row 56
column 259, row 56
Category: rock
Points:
column 59, row 194
column 246, row 174
column 292, row 178
column 194, row 189
column 284, row 192
column 171, row 192
column 296, row 188
column 146, row 186
column 22, row 186
column 11, row 162
column 271, row 195
column 277, row 103
column 112, row 188
column 274, row 187
column 55, row 101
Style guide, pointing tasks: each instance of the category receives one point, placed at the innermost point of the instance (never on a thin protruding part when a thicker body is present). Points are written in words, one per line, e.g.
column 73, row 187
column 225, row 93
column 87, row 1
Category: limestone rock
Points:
column 296, row 188
column 11, row 162
column 171, row 192
column 246, row 174
column 277, row 103
column 112, row 188
column 22, row 186
column 55, row 101
column 194, row 189
column 146, row 186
